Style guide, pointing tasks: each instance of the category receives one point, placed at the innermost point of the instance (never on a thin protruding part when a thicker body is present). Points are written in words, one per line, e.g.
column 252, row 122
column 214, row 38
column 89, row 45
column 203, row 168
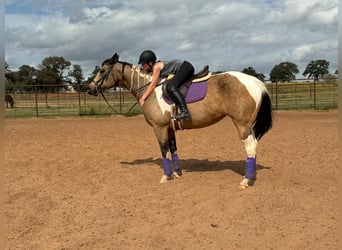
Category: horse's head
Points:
column 105, row 78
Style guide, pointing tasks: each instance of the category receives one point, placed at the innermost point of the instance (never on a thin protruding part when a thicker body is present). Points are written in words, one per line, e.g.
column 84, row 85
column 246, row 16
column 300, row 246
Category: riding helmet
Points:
column 147, row 56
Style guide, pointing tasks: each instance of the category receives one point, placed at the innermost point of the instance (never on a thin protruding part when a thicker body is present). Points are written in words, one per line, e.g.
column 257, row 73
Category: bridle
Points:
column 100, row 82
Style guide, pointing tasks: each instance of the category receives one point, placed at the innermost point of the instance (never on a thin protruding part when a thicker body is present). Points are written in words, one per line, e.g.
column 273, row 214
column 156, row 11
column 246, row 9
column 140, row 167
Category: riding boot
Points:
column 180, row 101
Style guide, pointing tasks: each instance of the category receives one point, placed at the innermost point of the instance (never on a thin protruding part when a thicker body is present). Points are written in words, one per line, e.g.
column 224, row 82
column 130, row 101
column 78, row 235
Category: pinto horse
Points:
column 240, row 96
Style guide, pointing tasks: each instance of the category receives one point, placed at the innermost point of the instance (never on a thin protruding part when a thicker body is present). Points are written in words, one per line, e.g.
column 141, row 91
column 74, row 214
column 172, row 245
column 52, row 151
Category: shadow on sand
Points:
column 204, row 165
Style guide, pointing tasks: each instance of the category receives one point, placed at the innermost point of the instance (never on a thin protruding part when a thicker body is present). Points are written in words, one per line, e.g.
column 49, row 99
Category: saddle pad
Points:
column 195, row 93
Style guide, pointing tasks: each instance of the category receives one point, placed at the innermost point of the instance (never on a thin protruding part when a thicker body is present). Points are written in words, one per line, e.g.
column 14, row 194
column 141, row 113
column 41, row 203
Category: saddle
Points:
column 197, row 84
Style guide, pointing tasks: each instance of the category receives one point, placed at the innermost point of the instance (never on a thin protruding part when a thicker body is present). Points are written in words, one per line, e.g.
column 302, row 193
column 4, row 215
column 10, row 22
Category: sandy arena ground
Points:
column 93, row 183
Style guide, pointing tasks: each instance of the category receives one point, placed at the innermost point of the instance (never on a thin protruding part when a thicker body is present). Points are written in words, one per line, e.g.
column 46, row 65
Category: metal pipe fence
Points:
column 322, row 94
column 52, row 101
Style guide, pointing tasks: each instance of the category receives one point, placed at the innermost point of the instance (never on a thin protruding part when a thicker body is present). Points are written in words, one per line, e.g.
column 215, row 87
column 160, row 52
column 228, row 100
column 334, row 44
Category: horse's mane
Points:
column 110, row 61
column 113, row 60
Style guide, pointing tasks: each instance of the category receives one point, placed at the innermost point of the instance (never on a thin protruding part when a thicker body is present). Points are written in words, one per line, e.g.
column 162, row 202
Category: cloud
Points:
column 227, row 36
column 186, row 45
column 313, row 15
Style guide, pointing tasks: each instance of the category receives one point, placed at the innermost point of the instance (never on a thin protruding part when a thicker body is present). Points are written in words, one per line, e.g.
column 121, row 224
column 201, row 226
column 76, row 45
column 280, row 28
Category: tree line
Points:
column 53, row 71
column 56, row 71
column 286, row 71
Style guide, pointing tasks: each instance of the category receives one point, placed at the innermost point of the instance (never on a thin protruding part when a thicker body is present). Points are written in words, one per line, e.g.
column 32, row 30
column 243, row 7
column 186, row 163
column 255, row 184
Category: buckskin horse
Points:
column 242, row 97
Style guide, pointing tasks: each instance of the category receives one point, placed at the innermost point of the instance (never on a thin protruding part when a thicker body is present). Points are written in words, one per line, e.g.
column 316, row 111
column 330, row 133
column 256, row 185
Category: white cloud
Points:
column 186, row 45
column 227, row 36
column 310, row 14
column 322, row 18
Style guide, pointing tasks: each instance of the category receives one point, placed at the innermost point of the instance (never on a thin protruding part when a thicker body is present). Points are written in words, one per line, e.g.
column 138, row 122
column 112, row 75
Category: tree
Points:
column 9, row 75
column 7, row 69
column 217, row 72
column 24, row 76
column 285, row 71
column 317, row 69
column 76, row 75
column 93, row 74
column 52, row 71
column 251, row 71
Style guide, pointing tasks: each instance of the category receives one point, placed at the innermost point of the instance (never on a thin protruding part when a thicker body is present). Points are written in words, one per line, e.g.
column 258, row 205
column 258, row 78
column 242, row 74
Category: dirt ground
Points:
column 93, row 183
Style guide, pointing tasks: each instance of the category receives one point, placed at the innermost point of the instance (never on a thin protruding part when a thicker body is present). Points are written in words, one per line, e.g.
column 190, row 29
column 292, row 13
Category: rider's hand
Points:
column 141, row 102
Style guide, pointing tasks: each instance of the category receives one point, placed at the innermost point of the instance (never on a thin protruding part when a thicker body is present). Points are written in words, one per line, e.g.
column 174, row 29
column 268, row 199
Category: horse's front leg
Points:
column 162, row 135
column 166, row 162
column 177, row 171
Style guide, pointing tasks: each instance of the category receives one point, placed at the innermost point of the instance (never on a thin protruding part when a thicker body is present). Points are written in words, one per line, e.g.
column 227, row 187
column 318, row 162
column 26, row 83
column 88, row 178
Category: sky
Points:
column 226, row 35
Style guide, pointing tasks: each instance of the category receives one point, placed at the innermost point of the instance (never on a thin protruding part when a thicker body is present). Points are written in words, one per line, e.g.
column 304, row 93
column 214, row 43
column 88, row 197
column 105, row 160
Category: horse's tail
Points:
column 264, row 119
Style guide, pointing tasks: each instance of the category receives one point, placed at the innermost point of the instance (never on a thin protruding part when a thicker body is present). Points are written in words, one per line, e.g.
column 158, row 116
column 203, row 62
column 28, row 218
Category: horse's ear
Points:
column 115, row 57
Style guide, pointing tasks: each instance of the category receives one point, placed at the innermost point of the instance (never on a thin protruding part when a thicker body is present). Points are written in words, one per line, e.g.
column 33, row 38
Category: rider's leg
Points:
column 185, row 72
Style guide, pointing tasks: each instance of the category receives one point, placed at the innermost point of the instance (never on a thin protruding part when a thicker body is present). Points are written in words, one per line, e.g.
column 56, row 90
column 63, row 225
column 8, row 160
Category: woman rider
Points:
column 182, row 71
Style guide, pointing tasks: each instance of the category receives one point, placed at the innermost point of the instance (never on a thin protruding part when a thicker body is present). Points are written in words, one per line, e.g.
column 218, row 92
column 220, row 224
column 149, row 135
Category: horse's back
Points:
column 254, row 86
column 249, row 81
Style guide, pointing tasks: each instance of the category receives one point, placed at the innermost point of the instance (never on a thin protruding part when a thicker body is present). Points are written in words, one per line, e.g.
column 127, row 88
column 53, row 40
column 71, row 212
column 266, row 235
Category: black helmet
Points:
column 147, row 56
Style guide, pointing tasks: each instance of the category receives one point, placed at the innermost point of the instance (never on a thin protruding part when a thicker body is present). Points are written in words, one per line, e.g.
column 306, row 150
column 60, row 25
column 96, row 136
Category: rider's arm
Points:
column 155, row 76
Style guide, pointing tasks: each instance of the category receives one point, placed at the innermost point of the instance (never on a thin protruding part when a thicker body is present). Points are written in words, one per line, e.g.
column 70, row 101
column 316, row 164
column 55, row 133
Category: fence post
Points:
column 276, row 95
column 36, row 97
column 57, row 90
column 79, row 98
column 314, row 90
column 120, row 100
column 46, row 99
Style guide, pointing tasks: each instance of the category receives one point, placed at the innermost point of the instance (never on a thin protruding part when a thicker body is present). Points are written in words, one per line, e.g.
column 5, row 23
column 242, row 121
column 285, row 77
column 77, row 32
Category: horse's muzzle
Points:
column 93, row 91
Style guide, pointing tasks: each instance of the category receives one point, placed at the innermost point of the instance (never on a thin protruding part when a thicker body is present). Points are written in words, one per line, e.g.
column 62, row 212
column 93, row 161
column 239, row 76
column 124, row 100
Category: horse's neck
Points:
column 136, row 80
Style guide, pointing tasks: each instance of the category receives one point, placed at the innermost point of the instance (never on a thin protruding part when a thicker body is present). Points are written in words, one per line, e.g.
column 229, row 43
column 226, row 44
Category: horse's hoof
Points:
column 165, row 178
column 177, row 174
column 244, row 183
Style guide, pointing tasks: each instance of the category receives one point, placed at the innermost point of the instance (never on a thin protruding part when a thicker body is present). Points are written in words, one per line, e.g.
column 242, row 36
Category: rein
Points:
column 111, row 107
column 100, row 82
column 141, row 88
column 103, row 78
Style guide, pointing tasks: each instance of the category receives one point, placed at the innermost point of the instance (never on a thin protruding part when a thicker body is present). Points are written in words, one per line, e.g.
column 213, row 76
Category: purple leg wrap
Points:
column 175, row 162
column 250, row 168
column 167, row 166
